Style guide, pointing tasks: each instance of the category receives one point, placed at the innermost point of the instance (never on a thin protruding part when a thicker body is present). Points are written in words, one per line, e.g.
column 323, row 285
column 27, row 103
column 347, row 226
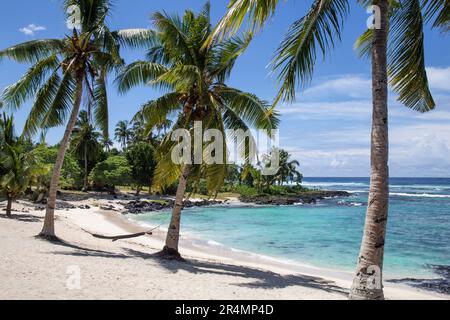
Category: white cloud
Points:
column 327, row 109
column 31, row 29
column 351, row 86
column 439, row 78
column 328, row 129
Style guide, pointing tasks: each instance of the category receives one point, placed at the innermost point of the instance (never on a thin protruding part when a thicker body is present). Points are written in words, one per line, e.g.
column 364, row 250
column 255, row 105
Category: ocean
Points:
column 328, row 234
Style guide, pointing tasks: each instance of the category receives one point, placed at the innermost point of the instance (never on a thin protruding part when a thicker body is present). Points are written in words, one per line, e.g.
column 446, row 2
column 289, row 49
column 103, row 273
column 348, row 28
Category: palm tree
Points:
column 85, row 143
column 123, row 133
column 288, row 169
column 144, row 133
column 106, row 142
column 16, row 165
column 195, row 80
column 63, row 71
column 397, row 54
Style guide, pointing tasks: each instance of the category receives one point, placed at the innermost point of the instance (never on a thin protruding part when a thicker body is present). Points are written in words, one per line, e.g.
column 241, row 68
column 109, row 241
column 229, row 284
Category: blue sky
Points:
column 327, row 128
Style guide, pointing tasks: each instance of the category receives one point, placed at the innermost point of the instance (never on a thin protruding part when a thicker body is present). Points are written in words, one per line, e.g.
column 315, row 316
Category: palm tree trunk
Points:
column 9, row 206
column 367, row 283
column 48, row 230
column 173, row 234
column 85, row 183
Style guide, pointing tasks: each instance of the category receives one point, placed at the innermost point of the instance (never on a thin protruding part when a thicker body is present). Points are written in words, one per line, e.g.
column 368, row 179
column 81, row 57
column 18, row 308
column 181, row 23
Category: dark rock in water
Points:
column 137, row 206
column 436, row 285
column 84, row 207
column 309, row 197
column 60, row 205
column 442, row 270
column 439, row 285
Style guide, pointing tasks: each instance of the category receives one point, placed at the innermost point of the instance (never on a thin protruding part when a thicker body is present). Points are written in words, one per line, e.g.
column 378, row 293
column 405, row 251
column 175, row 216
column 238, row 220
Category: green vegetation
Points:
column 17, row 167
column 85, row 144
column 110, row 173
column 71, row 171
column 141, row 157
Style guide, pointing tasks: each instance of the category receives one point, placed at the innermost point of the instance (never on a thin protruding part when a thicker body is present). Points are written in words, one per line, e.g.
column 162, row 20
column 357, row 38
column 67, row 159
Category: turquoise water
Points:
column 328, row 234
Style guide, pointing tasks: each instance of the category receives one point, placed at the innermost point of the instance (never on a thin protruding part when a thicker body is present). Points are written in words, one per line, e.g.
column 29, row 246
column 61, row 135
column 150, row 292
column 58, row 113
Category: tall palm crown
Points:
column 85, row 143
column 82, row 58
column 193, row 76
column 123, row 133
column 85, row 138
column 288, row 171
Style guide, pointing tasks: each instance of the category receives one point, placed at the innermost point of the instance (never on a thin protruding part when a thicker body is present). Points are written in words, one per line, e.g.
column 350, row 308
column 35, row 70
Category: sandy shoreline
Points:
column 127, row 269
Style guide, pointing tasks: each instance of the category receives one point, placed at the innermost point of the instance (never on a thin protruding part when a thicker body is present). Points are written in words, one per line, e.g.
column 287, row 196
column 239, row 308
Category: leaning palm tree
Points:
column 396, row 47
column 123, row 133
column 197, row 94
column 85, row 143
column 63, row 71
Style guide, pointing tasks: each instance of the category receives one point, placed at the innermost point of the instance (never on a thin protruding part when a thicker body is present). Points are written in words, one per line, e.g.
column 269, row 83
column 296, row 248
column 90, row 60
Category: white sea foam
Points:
column 214, row 243
column 334, row 184
column 423, row 195
column 353, row 204
column 356, row 204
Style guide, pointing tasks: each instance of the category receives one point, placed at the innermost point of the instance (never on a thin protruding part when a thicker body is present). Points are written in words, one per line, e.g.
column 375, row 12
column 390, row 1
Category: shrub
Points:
column 114, row 171
column 71, row 172
column 246, row 191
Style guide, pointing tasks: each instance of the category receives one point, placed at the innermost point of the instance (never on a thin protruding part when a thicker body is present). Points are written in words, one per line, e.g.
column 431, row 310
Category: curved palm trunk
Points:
column 9, row 206
column 367, row 283
column 173, row 234
column 48, row 231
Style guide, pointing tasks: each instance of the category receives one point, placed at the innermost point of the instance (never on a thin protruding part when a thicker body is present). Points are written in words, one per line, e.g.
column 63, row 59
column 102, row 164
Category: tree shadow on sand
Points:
column 259, row 278
column 80, row 251
column 22, row 217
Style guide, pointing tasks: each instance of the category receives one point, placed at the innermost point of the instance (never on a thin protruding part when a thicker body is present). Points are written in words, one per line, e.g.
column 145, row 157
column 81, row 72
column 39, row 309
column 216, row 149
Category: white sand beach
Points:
column 127, row 269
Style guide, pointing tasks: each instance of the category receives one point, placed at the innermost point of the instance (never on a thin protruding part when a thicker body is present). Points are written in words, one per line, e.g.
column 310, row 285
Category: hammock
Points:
column 121, row 237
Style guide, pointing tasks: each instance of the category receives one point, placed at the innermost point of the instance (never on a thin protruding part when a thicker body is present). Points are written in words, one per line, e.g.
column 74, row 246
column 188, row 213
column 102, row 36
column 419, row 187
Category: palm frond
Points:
column 440, row 11
column 257, row 113
column 296, row 57
column 15, row 95
column 406, row 57
column 135, row 38
column 139, row 73
column 224, row 55
column 181, row 77
column 157, row 111
column 93, row 13
column 33, row 51
column 41, row 105
column 363, row 45
column 258, row 11
column 62, row 103
column 173, row 30
column 101, row 105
